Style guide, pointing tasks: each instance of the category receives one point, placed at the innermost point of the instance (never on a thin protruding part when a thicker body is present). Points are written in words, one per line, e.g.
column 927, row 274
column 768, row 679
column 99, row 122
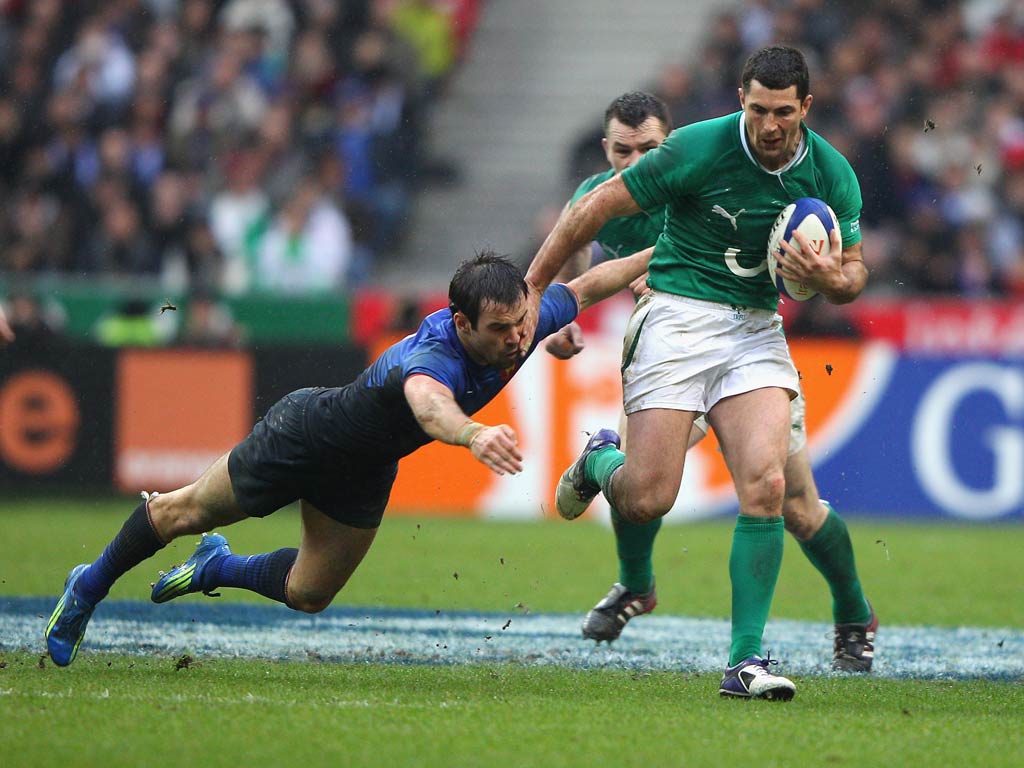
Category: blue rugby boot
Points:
column 574, row 492
column 188, row 577
column 66, row 627
column 750, row 679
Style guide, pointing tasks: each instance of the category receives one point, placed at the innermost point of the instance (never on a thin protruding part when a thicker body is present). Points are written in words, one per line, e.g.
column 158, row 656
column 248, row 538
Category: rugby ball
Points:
column 815, row 220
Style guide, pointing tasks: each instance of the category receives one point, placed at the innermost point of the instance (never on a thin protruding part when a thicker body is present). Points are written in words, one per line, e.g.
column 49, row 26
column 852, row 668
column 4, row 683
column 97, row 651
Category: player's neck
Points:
column 471, row 353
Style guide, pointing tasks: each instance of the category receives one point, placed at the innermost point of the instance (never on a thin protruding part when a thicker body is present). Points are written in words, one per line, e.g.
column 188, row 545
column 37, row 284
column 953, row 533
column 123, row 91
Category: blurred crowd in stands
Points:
column 217, row 145
column 926, row 100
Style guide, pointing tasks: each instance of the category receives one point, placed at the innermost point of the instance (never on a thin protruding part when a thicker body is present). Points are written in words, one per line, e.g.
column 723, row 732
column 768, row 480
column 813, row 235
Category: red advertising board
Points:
column 944, row 326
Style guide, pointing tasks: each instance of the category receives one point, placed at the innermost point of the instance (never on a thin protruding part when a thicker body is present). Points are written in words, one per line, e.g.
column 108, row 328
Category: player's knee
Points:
column 646, row 507
column 766, row 492
column 309, row 597
column 177, row 514
column 308, row 600
column 797, row 525
column 803, row 516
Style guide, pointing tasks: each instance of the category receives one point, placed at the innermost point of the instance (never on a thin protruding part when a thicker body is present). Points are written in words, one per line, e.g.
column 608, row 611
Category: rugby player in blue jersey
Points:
column 336, row 451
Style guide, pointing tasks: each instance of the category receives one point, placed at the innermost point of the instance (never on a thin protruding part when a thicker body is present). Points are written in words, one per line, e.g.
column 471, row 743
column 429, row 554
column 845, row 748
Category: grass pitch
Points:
column 144, row 712
column 130, row 710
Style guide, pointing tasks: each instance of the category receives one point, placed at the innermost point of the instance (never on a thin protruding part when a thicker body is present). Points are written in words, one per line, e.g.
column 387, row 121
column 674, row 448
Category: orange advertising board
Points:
column 39, row 421
column 177, row 411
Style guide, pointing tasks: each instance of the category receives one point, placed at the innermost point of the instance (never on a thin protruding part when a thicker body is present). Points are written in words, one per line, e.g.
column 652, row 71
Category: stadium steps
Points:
column 538, row 74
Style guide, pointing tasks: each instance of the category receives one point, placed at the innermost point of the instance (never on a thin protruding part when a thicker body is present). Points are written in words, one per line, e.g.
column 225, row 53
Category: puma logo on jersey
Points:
column 730, row 216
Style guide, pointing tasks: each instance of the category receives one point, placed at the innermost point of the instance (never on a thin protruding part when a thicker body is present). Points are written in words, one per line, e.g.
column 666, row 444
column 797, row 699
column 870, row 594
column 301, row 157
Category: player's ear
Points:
column 462, row 323
column 743, row 97
column 806, row 105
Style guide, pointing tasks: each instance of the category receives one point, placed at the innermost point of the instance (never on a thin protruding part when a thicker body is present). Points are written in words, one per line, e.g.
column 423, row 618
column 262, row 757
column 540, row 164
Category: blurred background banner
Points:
column 889, row 429
column 56, row 418
column 176, row 410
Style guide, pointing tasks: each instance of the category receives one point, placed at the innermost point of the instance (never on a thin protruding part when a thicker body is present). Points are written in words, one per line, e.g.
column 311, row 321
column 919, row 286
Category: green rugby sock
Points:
column 754, row 568
column 831, row 552
column 601, row 464
column 635, row 546
column 634, row 542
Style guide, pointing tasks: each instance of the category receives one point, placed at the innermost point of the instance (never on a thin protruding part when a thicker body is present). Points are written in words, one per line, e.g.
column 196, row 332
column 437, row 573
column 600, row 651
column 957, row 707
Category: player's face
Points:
column 623, row 145
column 499, row 330
column 773, row 122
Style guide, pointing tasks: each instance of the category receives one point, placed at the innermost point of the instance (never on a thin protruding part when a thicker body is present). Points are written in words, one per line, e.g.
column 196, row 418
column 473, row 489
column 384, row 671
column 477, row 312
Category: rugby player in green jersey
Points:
column 707, row 338
column 634, row 124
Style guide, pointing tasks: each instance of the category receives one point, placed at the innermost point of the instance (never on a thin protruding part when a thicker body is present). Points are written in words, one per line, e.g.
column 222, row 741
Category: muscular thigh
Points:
column 658, row 441
column 753, row 431
column 329, row 553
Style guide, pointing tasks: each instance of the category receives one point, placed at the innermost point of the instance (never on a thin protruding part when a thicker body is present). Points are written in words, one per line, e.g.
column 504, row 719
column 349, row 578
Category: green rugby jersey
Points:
column 721, row 204
column 625, row 235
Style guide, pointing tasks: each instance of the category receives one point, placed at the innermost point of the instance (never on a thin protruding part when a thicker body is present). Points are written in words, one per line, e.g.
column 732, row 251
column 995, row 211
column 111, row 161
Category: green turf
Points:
column 110, row 711
column 115, row 711
column 942, row 574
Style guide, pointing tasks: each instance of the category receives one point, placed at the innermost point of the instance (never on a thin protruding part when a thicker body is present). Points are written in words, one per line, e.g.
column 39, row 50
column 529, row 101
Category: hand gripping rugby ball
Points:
column 815, row 220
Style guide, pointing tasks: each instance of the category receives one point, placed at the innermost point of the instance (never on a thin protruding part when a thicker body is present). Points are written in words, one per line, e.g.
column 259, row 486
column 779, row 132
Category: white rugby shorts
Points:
column 687, row 354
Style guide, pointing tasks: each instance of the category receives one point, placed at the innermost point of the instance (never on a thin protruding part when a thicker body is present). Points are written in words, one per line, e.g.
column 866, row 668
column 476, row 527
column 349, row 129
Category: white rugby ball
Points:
column 816, row 220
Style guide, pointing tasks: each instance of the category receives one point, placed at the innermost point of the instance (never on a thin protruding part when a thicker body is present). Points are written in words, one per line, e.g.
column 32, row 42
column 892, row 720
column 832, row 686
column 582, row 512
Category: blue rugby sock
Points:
column 135, row 542
column 264, row 574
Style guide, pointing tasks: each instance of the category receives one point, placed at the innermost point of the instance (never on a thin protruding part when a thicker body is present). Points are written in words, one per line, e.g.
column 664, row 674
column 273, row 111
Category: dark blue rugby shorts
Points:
column 278, row 464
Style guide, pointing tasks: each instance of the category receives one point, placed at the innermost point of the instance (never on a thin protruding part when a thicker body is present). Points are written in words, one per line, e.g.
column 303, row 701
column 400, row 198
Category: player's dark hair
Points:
column 633, row 108
column 487, row 277
column 777, row 67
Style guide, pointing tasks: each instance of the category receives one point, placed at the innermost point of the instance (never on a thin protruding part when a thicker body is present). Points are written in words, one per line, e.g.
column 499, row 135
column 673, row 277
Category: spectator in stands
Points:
column 279, row 148
column 135, row 324
column 99, row 65
column 113, row 115
column 209, row 323
column 307, row 247
column 27, row 323
column 214, row 108
column 428, row 29
column 203, row 258
column 235, row 212
column 1006, row 242
column 121, row 245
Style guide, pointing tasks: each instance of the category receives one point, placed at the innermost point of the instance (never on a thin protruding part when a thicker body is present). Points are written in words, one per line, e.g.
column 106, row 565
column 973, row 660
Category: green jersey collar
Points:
column 795, row 160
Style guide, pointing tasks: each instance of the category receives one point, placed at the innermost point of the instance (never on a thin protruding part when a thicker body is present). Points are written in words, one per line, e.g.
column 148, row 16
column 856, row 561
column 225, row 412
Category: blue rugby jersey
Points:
column 370, row 419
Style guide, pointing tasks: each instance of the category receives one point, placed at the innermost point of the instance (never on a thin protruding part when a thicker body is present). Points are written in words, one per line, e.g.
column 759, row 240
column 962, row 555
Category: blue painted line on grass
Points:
column 381, row 635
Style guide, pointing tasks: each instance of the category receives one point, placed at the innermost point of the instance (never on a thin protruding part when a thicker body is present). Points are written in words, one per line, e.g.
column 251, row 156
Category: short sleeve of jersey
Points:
column 847, row 202
column 843, row 195
column 436, row 359
column 664, row 173
column 558, row 308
